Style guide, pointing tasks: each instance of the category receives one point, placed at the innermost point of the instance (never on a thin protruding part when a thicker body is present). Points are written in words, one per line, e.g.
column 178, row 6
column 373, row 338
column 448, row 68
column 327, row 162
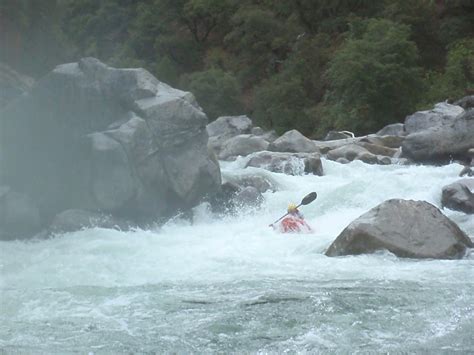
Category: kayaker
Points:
column 295, row 221
column 293, row 211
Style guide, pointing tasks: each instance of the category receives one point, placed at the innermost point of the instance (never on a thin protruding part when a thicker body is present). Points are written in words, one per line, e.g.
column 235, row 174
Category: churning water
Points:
column 233, row 285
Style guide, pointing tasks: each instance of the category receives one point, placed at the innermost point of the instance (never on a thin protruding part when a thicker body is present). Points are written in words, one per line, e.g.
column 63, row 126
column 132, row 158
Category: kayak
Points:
column 292, row 224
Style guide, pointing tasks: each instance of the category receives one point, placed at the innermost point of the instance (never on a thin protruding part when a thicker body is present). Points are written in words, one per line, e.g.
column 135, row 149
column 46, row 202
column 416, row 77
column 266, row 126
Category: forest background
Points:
column 312, row 65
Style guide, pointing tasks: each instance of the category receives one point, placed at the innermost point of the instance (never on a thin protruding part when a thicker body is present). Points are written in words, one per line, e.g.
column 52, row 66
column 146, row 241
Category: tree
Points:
column 374, row 79
column 216, row 91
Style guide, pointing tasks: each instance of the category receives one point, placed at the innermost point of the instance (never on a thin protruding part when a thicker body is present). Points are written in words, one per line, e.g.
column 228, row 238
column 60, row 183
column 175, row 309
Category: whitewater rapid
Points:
column 232, row 284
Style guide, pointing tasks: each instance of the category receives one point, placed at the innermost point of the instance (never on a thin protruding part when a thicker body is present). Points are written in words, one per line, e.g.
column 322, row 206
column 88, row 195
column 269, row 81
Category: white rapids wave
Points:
column 232, row 284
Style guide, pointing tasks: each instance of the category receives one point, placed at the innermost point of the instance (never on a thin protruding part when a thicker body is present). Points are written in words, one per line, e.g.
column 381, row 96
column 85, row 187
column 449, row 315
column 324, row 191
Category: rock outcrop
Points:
column 96, row 138
column 410, row 229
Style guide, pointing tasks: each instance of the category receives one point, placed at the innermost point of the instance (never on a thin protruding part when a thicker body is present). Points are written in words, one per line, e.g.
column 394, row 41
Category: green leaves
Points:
column 374, row 78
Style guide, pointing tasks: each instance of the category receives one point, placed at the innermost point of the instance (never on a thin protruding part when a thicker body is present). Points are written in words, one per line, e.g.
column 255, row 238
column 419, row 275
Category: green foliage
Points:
column 280, row 103
column 216, row 91
column 457, row 79
column 305, row 64
column 374, row 78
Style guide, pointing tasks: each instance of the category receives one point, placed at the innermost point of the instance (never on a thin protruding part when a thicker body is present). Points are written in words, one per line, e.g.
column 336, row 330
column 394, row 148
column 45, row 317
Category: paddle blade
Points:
column 309, row 198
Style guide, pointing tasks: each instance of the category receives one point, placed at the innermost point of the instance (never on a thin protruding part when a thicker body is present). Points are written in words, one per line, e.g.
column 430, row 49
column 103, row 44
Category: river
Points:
column 232, row 284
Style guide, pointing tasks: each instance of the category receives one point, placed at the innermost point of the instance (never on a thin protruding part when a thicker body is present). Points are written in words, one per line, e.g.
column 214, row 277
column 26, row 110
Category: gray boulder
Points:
column 74, row 220
column 293, row 142
column 442, row 114
column 410, row 229
column 19, row 217
column 447, row 137
column 459, row 196
column 116, row 140
column 287, row 163
column 242, row 145
column 226, row 127
column 394, row 129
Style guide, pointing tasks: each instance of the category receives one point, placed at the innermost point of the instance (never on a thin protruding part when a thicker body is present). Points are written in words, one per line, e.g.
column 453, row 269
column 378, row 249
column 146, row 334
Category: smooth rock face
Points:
column 293, row 142
column 99, row 138
column 411, row 229
column 459, row 196
column 466, row 102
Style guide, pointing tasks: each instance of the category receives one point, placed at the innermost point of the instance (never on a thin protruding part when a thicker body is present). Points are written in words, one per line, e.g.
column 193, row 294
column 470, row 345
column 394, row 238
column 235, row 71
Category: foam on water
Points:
column 233, row 284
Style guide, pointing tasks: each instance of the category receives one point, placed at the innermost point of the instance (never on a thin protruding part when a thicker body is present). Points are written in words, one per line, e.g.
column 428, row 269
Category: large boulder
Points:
column 411, row 229
column 293, row 142
column 19, row 216
column 441, row 142
column 459, row 196
column 287, row 163
column 242, row 145
column 92, row 137
column 439, row 134
column 442, row 114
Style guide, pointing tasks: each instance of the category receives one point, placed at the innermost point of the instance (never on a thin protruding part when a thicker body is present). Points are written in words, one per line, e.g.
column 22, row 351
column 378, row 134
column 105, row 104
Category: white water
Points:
column 234, row 285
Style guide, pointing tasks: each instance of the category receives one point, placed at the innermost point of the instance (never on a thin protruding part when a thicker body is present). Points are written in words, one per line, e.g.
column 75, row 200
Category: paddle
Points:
column 305, row 201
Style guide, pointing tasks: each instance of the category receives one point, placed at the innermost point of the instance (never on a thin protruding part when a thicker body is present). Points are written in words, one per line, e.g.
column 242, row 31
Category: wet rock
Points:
column 293, row 142
column 459, row 196
column 410, row 229
column 287, row 163
column 74, row 220
column 261, row 182
column 248, row 197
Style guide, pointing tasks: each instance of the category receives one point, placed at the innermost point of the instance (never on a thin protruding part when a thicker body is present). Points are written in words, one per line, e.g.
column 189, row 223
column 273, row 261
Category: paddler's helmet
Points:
column 292, row 208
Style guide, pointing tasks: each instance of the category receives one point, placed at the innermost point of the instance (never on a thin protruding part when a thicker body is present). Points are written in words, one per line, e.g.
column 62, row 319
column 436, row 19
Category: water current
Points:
column 233, row 285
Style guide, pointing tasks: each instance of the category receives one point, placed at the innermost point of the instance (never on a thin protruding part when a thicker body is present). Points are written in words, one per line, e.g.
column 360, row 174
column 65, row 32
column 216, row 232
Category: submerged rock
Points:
column 410, row 229
column 459, row 196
